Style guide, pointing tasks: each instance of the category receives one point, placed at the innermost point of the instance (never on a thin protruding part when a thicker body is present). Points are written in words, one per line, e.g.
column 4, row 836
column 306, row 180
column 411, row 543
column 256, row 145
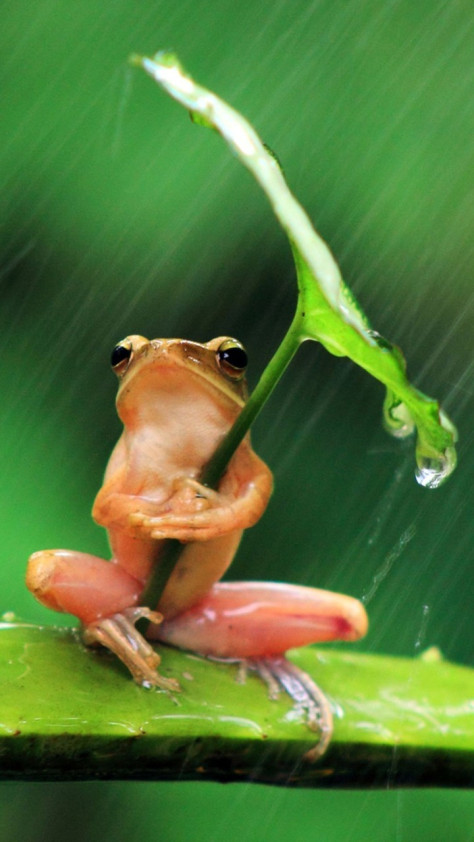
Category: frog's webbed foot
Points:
column 118, row 633
column 278, row 673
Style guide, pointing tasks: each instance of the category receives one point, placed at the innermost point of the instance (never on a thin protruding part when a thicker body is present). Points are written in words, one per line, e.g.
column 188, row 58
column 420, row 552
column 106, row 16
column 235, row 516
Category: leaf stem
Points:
column 157, row 582
column 268, row 380
column 215, row 468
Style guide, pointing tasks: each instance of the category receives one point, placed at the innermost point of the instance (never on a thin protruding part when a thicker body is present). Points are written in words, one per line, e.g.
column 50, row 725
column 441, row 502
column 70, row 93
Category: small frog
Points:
column 177, row 399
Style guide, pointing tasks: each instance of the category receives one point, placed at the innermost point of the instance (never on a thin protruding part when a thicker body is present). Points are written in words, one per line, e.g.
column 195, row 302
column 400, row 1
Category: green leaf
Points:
column 327, row 310
column 68, row 712
column 405, row 406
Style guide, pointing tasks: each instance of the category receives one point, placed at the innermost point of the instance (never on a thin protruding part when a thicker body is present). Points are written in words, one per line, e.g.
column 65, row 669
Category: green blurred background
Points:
column 120, row 216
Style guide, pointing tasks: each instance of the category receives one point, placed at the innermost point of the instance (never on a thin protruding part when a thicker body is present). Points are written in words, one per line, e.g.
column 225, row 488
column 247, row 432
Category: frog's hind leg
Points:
column 258, row 619
column 81, row 584
column 104, row 597
column 257, row 622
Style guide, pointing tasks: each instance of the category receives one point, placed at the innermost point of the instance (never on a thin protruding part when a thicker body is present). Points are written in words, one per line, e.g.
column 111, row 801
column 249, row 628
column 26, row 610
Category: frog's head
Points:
column 159, row 372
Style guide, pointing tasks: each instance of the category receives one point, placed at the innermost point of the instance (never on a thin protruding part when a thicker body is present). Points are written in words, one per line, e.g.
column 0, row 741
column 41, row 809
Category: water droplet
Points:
column 434, row 466
column 433, row 470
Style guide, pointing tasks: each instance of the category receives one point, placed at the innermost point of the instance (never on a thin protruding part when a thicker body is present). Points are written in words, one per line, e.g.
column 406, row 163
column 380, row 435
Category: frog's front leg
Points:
column 104, row 597
column 194, row 512
column 257, row 622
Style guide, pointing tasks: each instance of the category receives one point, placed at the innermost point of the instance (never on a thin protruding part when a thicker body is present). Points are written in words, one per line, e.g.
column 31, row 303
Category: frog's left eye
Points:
column 232, row 359
column 121, row 356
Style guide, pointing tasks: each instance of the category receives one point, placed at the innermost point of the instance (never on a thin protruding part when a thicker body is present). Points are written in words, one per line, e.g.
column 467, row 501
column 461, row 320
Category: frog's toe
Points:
column 279, row 673
column 118, row 633
column 173, row 520
column 183, row 533
column 139, row 521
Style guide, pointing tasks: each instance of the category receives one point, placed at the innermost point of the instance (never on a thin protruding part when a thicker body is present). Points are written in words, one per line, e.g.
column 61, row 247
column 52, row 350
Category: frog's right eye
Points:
column 232, row 359
column 121, row 356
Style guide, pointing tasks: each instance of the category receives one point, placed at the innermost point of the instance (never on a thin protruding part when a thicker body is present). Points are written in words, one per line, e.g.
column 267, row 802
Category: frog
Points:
column 177, row 399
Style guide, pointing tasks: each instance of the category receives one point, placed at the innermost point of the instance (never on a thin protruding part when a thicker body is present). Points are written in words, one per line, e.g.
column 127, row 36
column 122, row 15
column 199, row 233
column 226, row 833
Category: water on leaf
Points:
column 431, row 471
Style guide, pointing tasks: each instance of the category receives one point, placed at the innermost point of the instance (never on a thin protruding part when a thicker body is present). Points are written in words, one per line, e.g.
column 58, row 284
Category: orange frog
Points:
column 177, row 399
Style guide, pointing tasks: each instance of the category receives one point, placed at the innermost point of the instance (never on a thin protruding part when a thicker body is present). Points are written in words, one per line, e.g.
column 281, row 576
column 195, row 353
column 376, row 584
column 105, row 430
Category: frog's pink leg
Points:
column 81, row 584
column 256, row 622
column 259, row 619
column 103, row 596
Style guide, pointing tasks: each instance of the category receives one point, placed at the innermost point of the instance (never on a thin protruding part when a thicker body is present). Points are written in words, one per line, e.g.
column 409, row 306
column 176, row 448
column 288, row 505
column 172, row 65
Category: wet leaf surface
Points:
column 68, row 712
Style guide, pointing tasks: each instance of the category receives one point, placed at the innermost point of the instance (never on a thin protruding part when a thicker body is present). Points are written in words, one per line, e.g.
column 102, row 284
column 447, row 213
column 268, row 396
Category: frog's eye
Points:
column 121, row 357
column 232, row 359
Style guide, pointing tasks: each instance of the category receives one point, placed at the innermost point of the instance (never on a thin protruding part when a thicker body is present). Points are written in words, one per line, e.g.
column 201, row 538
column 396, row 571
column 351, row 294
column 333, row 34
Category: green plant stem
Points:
column 157, row 582
column 217, row 465
column 265, row 386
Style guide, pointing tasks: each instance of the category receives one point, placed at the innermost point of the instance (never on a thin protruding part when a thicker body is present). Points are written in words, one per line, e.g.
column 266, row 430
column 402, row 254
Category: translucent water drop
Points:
column 436, row 466
column 433, row 470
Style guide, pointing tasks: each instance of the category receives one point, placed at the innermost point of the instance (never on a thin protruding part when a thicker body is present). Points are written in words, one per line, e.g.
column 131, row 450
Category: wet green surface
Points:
column 70, row 712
